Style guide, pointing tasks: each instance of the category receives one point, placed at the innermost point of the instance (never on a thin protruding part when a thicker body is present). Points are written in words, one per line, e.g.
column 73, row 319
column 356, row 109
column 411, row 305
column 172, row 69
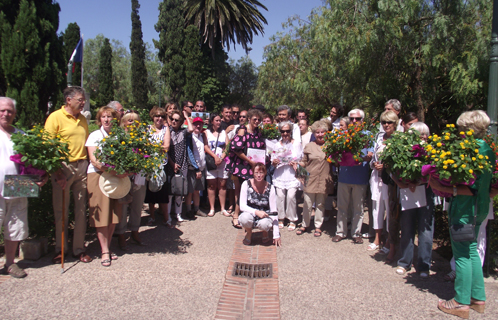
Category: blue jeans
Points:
column 424, row 217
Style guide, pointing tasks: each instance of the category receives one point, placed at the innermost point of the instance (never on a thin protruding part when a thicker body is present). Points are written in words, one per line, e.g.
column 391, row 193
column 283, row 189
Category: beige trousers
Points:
column 75, row 173
column 319, row 200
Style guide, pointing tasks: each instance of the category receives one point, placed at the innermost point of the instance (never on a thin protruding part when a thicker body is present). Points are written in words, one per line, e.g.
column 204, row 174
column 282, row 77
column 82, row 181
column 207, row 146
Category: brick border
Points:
column 250, row 298
column 4, row 278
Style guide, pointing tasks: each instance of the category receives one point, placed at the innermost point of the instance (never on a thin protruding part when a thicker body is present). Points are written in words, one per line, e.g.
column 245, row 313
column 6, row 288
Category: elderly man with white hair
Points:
column 353, row 182
column 13, row 210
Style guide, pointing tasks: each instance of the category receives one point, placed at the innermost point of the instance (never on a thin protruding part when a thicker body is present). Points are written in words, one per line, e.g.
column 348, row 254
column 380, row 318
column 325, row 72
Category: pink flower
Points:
column 244, row 171
column 236, row 171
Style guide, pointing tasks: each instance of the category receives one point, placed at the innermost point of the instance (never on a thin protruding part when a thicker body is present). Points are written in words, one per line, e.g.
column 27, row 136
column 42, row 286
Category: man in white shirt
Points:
column 336, row 111
column 13, row 210
column 284, row 113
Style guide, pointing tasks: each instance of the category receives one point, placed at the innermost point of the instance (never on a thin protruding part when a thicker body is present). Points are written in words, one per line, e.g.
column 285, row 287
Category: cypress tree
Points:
column 193, row 63
column 31, row 57
column 106, row 88
column 71, row 38
column 170, row 46
column 139, row 85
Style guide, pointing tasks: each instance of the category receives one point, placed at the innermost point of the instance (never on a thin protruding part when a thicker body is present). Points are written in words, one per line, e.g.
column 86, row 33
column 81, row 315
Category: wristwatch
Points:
column 455, row 191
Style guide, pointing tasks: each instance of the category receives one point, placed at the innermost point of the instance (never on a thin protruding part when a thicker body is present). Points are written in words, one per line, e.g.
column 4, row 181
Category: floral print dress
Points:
column 237, row 166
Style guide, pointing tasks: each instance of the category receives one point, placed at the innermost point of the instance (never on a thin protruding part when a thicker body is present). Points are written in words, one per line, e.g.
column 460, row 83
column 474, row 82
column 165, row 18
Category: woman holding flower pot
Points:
column 469, row 206
column 285, row 154
column 105, row 210
column 379, row 190
column 160, row 134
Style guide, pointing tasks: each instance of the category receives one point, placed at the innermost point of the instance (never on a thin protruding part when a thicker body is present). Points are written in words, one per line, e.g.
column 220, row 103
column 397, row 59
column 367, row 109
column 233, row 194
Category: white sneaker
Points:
column 179, row 217
column 367, row 235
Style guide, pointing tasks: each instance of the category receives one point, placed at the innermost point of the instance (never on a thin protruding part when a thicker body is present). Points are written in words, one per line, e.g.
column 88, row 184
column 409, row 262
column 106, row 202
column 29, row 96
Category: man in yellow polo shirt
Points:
column 71, row 125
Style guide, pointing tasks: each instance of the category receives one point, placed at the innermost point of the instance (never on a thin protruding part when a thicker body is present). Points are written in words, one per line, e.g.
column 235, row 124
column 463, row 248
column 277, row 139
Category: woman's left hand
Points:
column 261, row 214
column 435, row 184
column 277, row 242
column 44, row 180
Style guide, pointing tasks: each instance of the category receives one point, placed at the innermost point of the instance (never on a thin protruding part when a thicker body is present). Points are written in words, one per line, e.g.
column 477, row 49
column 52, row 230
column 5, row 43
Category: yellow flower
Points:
column 446, row 138
column 469, row 133
column 445, row 167
column 476, row 150
column 445, row 162
column 436, row 159
column 123, row 143
column 439, row 144
column 447, row 133
column 448, row 126
column 452, row 125
column 430, row 137
column 486, row 157
column 433, row 156
column 455, row 166
column 433, row 151
column 112, row 152
column 480, row 167
column 463, row 166
column 473, row 158
column 462, row 133
column 481, row 156
column 471, row 171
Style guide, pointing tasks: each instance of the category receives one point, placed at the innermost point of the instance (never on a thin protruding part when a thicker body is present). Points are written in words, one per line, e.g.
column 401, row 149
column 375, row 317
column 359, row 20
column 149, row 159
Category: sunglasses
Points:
column 256, row 119
column 175, row 119
column 387, row 122
column 285, row 131
column 355, row 118
column 159, row 116
column 242, row 116
column 198, row 105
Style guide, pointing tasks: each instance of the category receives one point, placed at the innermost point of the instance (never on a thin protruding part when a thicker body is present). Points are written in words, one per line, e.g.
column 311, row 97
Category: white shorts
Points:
column 218, row 173
column 14, row 218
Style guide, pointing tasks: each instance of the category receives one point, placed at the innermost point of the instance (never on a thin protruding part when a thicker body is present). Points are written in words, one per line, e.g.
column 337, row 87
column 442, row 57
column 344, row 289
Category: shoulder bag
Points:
column 464, row 232
column 210, row 163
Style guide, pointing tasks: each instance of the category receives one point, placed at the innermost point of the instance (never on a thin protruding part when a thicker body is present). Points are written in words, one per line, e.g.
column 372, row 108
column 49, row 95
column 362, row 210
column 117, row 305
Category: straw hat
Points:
column 114, row 187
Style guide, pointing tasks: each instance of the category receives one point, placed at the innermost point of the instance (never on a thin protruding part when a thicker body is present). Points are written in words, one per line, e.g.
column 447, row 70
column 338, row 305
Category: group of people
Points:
column 255, row 182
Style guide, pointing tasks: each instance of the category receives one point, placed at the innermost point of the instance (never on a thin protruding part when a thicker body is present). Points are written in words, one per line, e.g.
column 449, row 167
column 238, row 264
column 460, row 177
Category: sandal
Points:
column 384, row 250
column 225, row 213
column 477, row 305
column 211, row 213
column 357, row 240
column 372, row 247
column 230, row 210
column 246, row 241
column 292, row 226
column 450, row 276
column 300, row 231
column 151, row 222
column 454, row 308
column 113, row 256
column 337, row 238
column 317, row 233
column 280, row 224
column 235, row 223
column 105, row 262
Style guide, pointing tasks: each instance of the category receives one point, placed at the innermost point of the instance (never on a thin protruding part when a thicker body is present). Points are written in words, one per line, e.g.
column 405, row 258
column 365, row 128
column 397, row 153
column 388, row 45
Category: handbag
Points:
column 210, row 163
column 156, row 184
column 179, row 185
column 464, row 232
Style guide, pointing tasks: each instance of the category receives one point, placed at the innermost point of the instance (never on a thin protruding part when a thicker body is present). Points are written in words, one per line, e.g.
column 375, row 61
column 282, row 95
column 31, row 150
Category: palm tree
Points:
column 233, row 21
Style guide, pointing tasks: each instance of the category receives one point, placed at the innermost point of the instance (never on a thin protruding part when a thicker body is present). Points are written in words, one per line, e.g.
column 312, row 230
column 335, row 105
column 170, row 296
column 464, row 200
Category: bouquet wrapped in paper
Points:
column 344, row 148
column 131, row 150
column 286, row 153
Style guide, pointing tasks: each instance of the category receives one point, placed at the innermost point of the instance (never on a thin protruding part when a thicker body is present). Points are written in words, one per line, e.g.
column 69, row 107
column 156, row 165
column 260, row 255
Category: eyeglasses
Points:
column 80, row 100
column 355, row 118
column 175, row 119
column 386, row 122
column 242, row 116
column 129, row 111
column 159, row 116
column 256, row 119
column 199, row 106
column 235, row 112
column 285, row 131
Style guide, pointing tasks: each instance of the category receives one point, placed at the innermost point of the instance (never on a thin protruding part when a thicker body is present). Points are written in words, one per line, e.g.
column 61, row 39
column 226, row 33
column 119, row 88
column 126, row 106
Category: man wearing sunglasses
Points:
column 352, row 186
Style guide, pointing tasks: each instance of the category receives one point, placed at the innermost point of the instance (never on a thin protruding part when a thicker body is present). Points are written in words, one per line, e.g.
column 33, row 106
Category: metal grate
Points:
column 252, row 271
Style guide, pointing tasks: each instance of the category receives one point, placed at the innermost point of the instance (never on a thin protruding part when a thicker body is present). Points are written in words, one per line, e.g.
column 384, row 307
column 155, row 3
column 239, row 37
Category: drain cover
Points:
column 252, row 271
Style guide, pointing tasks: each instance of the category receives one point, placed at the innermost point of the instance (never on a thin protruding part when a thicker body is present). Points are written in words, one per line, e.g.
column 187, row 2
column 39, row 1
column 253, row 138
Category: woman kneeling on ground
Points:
column 258, row 207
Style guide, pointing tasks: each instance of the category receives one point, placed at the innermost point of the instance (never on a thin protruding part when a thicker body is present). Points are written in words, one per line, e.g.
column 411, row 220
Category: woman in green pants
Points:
column 469, row 282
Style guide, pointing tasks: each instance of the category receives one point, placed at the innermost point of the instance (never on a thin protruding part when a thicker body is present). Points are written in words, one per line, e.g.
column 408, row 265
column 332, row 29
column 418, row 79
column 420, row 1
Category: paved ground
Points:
column 181, row 272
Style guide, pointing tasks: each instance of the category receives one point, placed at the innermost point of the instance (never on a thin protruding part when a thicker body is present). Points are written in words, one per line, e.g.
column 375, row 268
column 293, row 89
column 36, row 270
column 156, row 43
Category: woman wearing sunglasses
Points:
column 286, row 153
column 160, row 133
column 379, row 190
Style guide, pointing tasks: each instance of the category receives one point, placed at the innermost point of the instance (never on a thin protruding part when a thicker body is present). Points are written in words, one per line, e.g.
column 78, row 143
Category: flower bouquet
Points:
column 404, row 155
column 345, row 147
column 38, row 152
column 454, row 158
column 131, row 150
column 270, row 131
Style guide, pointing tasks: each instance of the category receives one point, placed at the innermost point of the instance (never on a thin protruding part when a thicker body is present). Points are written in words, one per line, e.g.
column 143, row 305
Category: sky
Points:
column 112, row 18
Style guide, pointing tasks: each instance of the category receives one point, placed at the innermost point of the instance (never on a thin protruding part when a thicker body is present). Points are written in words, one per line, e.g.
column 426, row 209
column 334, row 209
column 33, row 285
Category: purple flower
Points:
column 26, row 170
column 418, row 151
